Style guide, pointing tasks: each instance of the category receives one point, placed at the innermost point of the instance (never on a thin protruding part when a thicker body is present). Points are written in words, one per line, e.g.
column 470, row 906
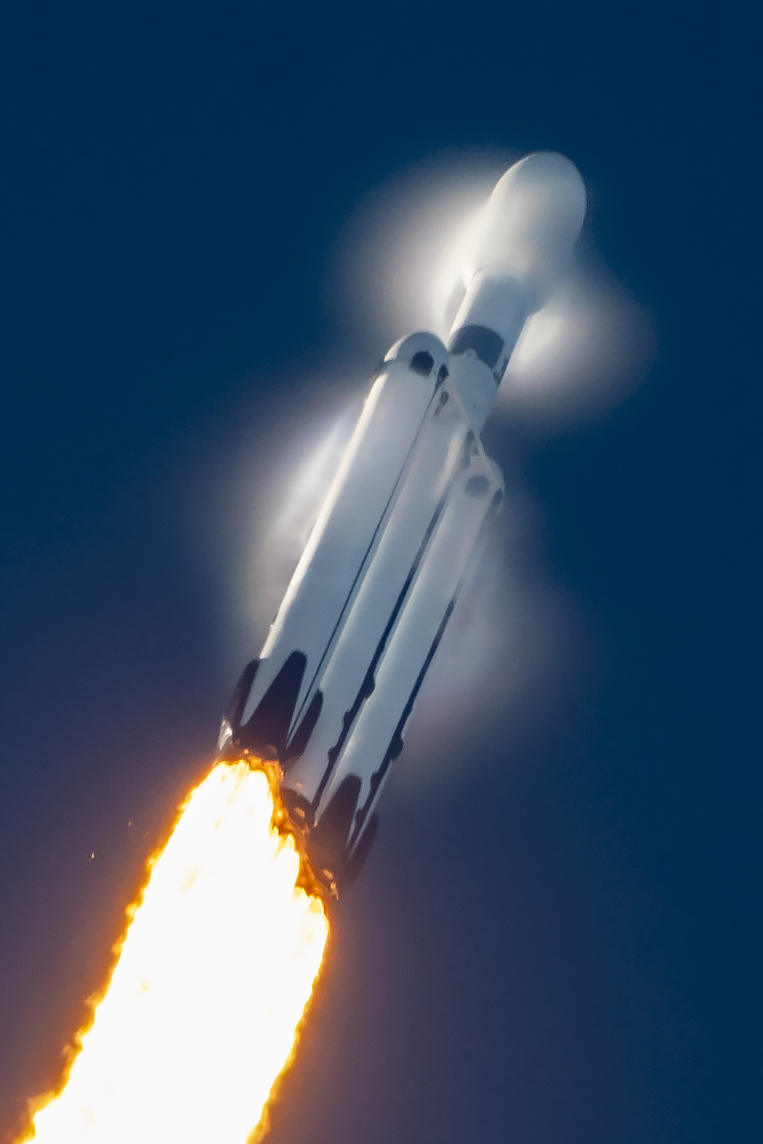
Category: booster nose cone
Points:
column 532, row 220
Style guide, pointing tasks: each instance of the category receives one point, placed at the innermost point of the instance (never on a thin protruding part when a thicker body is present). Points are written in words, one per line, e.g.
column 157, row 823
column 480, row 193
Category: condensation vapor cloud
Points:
column 397, row 267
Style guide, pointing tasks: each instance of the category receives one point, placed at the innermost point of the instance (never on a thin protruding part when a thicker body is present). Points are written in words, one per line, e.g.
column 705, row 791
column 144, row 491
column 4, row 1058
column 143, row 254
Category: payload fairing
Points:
column 336, row 680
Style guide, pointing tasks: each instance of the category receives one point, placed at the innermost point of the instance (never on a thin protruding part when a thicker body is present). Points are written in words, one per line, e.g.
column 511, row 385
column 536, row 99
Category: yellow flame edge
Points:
column 280, row 823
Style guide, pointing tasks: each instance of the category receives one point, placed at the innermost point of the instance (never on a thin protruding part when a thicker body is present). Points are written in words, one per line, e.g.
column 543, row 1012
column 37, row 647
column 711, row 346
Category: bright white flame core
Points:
column 218, row 964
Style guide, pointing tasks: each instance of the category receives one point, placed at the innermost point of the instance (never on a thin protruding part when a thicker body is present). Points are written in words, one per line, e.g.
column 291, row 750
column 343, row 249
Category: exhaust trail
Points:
column 215, row 970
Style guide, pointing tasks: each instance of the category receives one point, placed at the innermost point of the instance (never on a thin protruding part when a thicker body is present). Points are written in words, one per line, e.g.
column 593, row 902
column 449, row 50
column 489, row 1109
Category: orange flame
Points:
column 217, row 965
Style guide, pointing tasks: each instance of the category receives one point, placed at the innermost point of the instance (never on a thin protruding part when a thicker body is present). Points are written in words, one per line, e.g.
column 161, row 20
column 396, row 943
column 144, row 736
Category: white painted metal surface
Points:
column 363, row 616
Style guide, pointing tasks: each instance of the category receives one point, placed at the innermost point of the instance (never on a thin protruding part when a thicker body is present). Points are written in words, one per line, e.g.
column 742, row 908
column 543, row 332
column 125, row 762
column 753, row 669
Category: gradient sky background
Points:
column 562, row 945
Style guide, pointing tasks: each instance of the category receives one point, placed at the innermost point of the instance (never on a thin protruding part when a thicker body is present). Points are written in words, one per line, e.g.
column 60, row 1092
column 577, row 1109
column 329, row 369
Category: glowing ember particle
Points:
column 218, row 963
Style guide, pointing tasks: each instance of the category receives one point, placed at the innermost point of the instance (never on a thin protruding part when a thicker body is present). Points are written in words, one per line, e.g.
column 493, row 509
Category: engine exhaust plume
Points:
column 217, row 965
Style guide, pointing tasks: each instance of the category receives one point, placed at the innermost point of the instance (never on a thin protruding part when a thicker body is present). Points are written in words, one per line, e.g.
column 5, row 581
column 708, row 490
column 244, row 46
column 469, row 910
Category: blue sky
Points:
column 565, row 947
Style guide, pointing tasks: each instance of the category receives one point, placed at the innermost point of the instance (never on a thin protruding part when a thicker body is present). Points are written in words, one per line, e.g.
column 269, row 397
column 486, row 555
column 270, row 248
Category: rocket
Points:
column 331, row 693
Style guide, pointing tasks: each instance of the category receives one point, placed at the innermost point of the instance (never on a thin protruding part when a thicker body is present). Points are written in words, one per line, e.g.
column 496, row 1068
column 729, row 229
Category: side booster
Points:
column 330, row 695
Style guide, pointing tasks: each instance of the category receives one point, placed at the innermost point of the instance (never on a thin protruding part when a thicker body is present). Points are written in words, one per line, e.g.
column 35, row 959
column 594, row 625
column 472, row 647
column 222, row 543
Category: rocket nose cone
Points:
column 533, row 218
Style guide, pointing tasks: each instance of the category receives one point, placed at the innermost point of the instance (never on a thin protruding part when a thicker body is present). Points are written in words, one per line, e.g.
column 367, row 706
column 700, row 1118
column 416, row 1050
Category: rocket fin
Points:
column 269, row 724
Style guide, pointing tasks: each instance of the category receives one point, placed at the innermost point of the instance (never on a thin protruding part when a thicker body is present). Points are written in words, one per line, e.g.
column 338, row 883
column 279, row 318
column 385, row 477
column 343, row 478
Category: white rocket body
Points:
column 340, row 670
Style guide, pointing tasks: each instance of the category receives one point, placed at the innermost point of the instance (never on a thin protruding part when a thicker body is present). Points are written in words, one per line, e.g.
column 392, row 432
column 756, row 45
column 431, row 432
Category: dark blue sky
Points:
column 565, row 947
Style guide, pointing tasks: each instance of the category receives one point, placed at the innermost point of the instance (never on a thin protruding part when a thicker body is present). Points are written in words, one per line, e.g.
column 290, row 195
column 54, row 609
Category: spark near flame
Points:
column 217, row 965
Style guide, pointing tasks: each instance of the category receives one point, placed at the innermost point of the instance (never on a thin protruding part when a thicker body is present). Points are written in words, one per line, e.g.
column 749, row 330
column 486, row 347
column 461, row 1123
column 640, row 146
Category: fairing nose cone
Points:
column 532, row 220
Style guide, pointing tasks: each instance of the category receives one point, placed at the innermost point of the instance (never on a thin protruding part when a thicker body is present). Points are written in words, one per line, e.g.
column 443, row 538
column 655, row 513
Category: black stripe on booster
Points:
column 369, row 681
column 365, row 559
column 396, row 742
column 368, row 685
